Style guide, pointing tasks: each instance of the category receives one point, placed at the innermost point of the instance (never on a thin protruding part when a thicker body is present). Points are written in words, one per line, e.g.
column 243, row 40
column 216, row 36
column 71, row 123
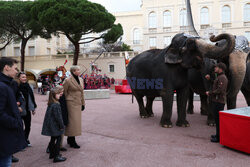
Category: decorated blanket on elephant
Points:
column 241, row 43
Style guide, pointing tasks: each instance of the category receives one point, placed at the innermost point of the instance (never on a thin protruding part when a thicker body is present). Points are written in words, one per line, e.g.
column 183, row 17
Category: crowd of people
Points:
column 65, row 105
column 47, row 82
column 97, row 81
column 17, row 104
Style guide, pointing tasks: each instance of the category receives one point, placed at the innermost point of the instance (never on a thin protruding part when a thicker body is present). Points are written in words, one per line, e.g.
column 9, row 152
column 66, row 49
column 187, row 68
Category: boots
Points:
column 72, row 142
column 51, row 150
column 58, row 157
column 47, row 150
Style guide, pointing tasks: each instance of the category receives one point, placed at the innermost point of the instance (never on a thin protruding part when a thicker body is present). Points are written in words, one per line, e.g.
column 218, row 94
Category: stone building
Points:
column 159, row 20
column 153, row 26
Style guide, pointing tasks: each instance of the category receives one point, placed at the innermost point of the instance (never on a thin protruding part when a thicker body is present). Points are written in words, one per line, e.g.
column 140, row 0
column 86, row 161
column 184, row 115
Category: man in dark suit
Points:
column 11, row 126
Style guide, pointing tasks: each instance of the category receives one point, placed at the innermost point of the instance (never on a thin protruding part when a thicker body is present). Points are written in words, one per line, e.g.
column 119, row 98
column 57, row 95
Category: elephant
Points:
column 237, row 68
column 245, row 88
column 160, row 72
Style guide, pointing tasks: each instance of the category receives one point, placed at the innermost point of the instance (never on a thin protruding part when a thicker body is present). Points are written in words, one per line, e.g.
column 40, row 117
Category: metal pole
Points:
column 191, row 27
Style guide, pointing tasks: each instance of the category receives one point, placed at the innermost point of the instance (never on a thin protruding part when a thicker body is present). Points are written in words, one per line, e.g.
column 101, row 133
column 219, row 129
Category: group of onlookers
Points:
column 97, row 82
column 17, row 104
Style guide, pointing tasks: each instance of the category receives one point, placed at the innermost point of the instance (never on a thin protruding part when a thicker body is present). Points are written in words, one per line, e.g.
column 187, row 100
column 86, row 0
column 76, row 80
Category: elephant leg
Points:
column 204, row 105
column 167, row 102
column 246, row 94
column 142, row 110
column 182, row 96
column 231, row 102
column 210, row 116
column 190, row 108
column 149, row 106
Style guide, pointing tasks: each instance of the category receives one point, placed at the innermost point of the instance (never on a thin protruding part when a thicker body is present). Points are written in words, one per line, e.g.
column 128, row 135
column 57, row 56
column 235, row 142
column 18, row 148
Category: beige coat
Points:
column 74, row 95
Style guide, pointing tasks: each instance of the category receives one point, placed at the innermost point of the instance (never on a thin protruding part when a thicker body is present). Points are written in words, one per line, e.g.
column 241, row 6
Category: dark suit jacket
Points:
column 11, row 126
column 64, row 109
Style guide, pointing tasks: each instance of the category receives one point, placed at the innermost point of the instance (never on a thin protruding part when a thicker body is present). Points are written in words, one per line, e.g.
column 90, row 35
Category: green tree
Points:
column 16, row 22
column 77, row 20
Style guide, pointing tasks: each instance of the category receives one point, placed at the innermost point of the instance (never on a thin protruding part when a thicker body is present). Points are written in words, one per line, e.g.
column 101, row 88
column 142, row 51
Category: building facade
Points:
column 153, row 26
column 159, row 20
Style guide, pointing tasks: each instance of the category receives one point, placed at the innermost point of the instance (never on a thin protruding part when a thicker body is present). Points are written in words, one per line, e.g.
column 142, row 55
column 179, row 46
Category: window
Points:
column 247, row 13
column 3, row 52
column 204, row 16
column 247, row 34
column 111, row 68
column 167, row 41
column 152, row 42
column 226, row 14
column 48, row 51
column 136, row 36
column 183, row 17
column 17, row 51
column 31, row 50
column 152, row 20
column 167, row 19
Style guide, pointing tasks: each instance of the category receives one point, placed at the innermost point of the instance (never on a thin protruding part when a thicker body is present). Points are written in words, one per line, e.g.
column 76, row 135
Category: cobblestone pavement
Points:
column 114, row 135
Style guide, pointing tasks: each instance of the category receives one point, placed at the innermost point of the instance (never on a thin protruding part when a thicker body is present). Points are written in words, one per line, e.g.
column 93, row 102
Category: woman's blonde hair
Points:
column 74, row 68
column 52, row 94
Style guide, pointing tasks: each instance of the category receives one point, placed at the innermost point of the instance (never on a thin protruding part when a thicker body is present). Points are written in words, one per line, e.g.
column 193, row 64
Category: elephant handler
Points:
column 218, row 96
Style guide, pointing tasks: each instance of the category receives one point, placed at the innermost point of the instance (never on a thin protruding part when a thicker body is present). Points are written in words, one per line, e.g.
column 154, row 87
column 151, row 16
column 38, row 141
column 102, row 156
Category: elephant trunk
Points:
column 237, row 69
column 216, row 52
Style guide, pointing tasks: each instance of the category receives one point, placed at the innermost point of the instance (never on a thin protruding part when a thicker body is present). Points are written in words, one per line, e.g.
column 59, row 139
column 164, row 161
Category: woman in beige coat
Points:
column 73, row 91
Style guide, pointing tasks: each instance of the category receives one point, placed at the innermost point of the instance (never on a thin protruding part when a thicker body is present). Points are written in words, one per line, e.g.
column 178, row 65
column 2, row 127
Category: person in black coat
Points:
column 30, row 105
column 53, row 125
column 11, row 126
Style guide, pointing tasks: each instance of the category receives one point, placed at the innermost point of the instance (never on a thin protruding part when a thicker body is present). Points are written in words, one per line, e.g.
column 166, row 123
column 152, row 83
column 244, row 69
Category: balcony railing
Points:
column 152, row 30
column 226, row 25
column 247, row 23
column 183, row 28
column 166, row 29
column 204, row 26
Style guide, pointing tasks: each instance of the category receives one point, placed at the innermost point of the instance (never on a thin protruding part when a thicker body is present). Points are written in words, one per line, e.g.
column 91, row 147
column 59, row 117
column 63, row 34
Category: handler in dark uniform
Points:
column 218, row 95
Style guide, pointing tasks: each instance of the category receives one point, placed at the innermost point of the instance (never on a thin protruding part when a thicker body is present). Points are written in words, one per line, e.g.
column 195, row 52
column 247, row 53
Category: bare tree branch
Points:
column 91, row 40
column 6, row 44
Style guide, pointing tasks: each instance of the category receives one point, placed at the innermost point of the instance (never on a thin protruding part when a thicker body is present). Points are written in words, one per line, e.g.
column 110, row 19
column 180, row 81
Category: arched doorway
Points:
column 47, row 73
column 31, row 75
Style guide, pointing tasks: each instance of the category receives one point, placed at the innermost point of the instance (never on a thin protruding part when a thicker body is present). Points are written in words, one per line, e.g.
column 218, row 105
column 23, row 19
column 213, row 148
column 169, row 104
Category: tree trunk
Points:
column 23, row 45
column 76, row 53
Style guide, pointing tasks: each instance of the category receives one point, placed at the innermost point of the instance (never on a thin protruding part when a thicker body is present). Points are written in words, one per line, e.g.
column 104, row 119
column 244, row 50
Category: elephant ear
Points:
column 172, row 55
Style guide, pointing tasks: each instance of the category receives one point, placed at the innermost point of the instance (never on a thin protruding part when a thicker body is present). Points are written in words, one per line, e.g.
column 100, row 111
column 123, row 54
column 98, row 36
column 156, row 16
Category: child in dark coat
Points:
column 53, row 125
column 64, row 112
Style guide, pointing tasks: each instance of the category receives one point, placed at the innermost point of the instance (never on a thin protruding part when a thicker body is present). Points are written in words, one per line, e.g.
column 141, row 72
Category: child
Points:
column 64, row 112
column 53, row 125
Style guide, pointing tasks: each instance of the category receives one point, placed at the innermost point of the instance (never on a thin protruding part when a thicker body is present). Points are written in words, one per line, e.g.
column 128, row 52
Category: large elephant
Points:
column 245, row 88
column 159, row 72
column 236, row 63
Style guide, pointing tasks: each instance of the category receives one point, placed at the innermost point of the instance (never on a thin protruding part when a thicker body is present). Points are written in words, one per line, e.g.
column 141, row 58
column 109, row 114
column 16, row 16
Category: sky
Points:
column 119, row 5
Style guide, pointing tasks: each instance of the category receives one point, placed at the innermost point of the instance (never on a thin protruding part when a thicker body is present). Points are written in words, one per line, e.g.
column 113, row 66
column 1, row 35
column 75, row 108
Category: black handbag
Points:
column 23, row 105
